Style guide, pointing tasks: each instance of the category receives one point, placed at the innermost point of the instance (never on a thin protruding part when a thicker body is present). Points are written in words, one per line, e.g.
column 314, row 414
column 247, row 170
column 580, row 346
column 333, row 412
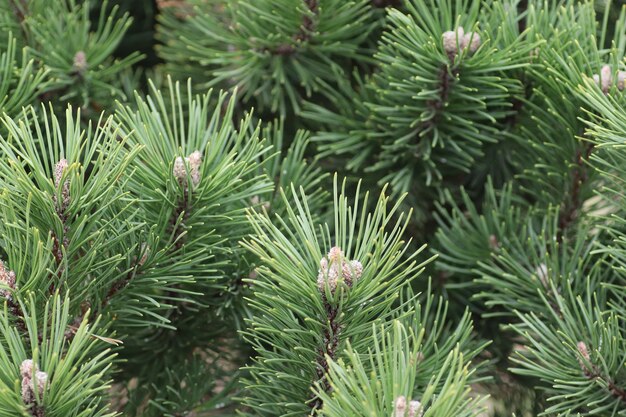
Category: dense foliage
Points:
column 389, row 208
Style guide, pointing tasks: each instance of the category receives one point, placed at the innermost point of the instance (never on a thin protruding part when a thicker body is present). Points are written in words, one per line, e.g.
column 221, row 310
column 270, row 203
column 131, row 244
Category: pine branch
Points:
column 300, row 323
column 447, row 75
column 7, row 278
column 20, row 11
column 571, row 207
column 289, row 49
column 522, row 8
column 386, row 3
column 58, row 376
column 593, row 372
column 305, row 33
column 133, row 272
column 328, row 351
column 391, row 376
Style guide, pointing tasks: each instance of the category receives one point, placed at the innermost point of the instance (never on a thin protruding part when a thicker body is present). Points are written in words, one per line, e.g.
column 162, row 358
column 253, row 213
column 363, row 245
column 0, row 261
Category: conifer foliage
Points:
column 390, row 208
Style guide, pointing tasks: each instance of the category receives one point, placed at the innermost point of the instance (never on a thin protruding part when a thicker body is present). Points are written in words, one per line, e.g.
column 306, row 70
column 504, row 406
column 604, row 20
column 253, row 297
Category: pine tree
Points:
column 396, row 208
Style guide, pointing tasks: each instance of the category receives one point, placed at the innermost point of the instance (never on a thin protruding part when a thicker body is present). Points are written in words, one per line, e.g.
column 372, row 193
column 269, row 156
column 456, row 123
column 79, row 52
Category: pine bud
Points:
column 7, row 278
column 42, row 378
column 450, row 40
column 335, row 266
column 606, row 78
column 352, row 271
column 180, row 172
column 26, row 368
column 335, row 254
column 419, row 358
column 542, row 274
column 400, row 407
column 621, row 80
column 471, row 40
column 33, row 381
column 180, row 169
column 145, row 252
column 80, row 63
column 453, row 40
column 534, row 54
column 256, row 200
column 582, row 349
column 59, row 171
column 195, row 162
column 415, row 409
column 327, row 276
column 493, row 242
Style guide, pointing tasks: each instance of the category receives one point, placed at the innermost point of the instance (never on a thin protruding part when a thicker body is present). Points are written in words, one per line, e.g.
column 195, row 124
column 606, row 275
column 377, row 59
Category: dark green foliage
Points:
column 169, row 250
column 274, row 51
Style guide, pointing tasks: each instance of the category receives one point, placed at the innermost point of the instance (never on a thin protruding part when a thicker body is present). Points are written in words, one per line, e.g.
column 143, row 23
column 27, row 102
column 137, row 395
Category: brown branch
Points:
column 60, row 206
column 177, row 228
column 303, row 35
column 330, row 344
column 445, row 85
column 517, row 104
column 130, row 275
column 385, row 3
column 73, row 327
column 57, row 248
column 594, row 373
column 36, row 410
column 8, row 278
column 16, row 311
column 334, row 270
column 115, row 288
column 20, row 10
column 570, row 207
column 521, row 8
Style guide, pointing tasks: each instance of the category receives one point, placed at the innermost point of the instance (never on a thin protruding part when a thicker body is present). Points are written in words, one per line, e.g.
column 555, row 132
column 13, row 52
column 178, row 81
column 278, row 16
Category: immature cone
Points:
column 621, row 80
column 256, row 200
column 415, row 409
column 582, row 349
column 596, row 79
column 7, row 278
column 400, row 407
column 335, row 266
column 470, row 41
column 33, row 381
column 145, row 252
column 542, row 273
column 80, row 63
column 606, row 78
column 180, row 172
column 450, row 40
column 59, row 170
column 493, row 242
column 194, row 160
